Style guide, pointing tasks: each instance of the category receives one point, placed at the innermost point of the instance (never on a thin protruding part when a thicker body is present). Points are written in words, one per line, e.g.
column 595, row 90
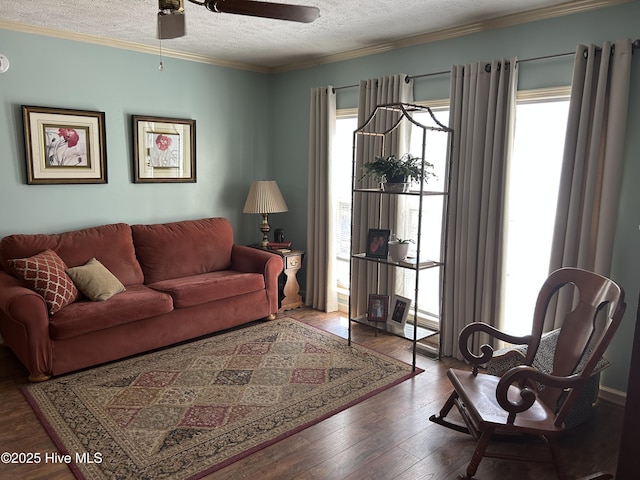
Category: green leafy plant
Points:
column 401, row 240
column 398, row 170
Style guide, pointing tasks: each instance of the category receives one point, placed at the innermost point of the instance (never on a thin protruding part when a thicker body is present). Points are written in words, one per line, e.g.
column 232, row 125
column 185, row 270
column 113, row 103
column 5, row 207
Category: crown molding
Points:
column 133, row 46
column 563, row 9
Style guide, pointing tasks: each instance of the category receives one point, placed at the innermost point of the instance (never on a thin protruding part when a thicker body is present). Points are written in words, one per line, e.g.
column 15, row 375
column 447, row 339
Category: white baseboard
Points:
column 612, row 396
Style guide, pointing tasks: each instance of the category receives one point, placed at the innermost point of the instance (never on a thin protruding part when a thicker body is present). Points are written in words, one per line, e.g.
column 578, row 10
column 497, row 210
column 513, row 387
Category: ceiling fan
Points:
column 171, row 22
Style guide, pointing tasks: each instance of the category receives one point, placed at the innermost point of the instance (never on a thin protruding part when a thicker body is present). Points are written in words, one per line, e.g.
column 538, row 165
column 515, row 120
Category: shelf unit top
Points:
column 404, row 110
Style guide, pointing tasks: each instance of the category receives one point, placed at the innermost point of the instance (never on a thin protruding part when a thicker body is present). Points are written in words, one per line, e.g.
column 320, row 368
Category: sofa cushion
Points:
column 111, row 244
column 207, row 287
column 45, row 274
column 182, row 249
column 84, row 316
column 95, row 281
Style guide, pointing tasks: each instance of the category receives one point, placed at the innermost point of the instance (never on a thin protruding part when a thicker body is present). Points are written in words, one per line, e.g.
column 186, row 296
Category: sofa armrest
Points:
column 24, row 326
column 249, row 259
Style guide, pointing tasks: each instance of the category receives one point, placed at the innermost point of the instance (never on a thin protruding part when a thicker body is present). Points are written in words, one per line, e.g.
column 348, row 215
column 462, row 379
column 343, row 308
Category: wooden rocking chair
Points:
column 525, row 400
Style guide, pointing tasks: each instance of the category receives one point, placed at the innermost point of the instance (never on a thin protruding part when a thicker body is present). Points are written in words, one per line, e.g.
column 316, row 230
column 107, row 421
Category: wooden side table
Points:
column 288, row 287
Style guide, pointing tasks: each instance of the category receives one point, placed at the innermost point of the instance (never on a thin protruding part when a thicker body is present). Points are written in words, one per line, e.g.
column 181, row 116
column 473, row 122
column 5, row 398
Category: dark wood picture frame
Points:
column 377, row 307
column 164, row 150
column 377, row 246
column 64, row 146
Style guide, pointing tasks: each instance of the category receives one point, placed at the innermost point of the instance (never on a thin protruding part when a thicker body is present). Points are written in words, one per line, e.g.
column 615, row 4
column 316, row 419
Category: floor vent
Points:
column 429, row 350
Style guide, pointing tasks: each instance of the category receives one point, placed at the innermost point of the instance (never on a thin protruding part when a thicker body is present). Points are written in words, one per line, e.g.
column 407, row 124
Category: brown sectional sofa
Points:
column 182, row 280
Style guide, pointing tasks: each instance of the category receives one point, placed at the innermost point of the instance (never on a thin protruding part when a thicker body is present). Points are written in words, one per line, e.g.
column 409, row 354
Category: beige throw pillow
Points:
column 95, row 281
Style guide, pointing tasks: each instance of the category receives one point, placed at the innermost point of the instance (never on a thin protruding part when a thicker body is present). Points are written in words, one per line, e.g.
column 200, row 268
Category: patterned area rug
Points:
column 187, row 411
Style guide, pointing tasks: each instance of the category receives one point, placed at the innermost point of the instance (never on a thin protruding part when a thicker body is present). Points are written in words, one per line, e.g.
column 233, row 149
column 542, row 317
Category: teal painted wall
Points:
column 232, row 145
column 254, row 126
column 290, row 98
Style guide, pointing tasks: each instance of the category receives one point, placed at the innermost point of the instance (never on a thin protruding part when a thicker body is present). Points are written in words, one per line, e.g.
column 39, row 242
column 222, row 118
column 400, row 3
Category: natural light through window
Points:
column 532, row 198
column 346, row 123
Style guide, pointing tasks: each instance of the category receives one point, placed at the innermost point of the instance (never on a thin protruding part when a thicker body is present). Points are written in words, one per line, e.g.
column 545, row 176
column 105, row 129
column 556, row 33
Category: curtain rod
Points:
column 635, row 46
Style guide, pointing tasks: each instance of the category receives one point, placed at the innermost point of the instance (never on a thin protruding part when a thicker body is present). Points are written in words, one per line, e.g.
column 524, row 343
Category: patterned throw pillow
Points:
column 45, row 274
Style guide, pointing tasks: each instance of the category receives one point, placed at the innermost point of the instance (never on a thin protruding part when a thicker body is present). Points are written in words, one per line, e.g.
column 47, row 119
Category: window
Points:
column 538, row 146
column 541, row 122
column 346, row 123
column 431, row 237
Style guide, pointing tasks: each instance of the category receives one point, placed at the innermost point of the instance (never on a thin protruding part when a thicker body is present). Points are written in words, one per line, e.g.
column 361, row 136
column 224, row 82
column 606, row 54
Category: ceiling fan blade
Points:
column 279, row 11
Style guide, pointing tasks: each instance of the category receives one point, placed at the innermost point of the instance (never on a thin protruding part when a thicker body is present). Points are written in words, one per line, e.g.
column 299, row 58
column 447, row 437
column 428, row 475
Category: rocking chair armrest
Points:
column 487, row 350
column 524, row 377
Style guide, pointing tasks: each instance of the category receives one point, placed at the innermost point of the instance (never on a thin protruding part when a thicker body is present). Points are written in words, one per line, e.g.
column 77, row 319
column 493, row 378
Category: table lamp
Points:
column 264, row 198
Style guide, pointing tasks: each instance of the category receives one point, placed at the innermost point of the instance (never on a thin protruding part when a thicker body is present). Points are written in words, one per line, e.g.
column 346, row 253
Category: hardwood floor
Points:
column 385, row 437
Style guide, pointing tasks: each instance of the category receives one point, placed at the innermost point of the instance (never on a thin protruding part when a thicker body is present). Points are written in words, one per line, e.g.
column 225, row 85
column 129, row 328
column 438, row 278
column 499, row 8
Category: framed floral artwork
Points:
column 64, row 145
column 164, row 150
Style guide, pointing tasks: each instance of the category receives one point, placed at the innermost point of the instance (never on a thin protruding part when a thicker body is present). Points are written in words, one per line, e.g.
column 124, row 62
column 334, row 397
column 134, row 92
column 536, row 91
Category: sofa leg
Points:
column 271, row 316
column 39, row 377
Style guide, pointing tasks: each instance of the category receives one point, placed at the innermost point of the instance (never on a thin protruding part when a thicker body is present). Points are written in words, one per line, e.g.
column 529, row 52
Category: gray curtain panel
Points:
column 482, row 116
column 593, row 161
column 321, row 284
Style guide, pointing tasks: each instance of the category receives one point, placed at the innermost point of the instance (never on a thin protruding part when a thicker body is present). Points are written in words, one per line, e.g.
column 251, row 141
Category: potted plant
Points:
column 398, row 248
column 397, row 173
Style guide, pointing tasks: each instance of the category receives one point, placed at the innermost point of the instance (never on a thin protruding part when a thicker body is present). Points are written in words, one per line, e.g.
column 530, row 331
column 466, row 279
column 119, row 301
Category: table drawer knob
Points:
column 293, row 261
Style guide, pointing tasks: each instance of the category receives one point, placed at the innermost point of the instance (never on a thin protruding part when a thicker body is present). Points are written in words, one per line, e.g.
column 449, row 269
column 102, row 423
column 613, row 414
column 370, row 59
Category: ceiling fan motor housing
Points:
column 171, row 22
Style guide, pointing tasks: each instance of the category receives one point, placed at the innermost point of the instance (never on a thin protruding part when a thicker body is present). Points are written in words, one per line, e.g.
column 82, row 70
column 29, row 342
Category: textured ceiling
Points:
column 343, row 26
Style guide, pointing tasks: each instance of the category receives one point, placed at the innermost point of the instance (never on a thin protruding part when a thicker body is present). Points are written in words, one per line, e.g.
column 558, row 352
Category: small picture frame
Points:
column 64, row 146
column 398, row 312
column 378, row 308
column 164, row 150
column 377, row 246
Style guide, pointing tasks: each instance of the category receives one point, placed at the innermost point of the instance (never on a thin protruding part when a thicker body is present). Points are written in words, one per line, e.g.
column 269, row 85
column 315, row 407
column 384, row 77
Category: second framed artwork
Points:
column 164, row 150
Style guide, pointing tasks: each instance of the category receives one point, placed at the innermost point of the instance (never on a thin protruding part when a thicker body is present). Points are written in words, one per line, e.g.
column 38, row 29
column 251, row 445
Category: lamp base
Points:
column 264, row 228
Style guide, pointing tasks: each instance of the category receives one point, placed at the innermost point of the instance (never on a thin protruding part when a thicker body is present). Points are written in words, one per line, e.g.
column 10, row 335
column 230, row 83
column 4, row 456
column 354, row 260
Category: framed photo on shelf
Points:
column 377, row 246
column 64, row 146
column 398, row 312
column 378, row 308
column 164, row 150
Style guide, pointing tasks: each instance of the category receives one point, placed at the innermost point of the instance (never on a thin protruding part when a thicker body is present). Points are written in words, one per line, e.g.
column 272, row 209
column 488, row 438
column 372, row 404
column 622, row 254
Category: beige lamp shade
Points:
column 264, row 198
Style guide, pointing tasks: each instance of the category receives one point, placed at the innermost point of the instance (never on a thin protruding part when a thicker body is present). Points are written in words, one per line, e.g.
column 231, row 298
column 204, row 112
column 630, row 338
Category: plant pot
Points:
column 398, row 251
column 395, row 187
column 396, row 184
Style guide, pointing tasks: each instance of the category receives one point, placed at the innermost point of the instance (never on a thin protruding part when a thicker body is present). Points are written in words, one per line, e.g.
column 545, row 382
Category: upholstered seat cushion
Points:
column 208, row 287
column 81, row 317
column 182, row 249
column 512, row 356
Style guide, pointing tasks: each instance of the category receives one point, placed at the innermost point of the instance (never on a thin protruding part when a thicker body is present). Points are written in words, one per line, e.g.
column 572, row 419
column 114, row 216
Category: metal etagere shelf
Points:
column 393, row 116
